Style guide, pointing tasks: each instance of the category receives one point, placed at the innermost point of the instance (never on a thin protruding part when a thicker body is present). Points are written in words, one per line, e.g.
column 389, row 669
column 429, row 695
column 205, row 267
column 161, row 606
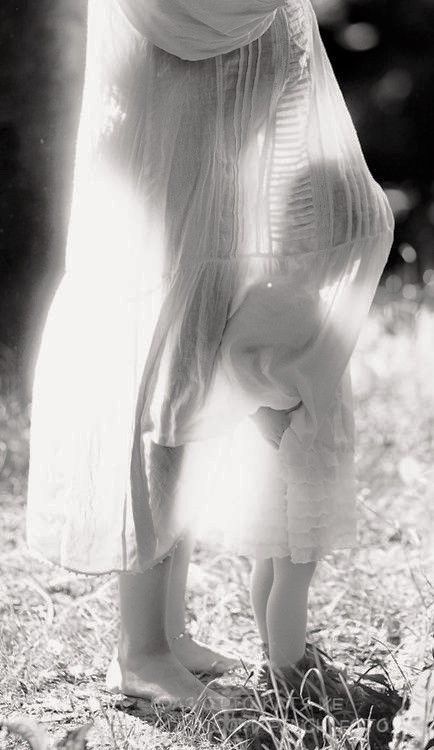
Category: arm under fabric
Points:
column 296, row 329
column 200, row 29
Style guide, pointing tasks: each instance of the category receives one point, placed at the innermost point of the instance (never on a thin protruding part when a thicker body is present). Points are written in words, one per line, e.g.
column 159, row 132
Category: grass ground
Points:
column 370, row 608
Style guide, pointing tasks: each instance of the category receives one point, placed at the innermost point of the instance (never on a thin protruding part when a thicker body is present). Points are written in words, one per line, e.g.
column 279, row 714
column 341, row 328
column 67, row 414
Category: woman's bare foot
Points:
column 200, row 659
column 161, row 678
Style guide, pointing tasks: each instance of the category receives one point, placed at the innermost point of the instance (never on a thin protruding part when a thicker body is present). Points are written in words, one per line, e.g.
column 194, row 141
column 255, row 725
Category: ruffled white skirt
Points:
column 239, row 491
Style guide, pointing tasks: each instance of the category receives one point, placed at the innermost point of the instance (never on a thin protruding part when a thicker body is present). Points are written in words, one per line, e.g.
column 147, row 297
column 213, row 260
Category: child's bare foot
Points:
column 161, row 678
column 198, row 658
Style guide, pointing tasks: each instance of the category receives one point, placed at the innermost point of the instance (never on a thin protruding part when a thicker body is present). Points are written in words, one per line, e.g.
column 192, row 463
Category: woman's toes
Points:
column 201, row 659
column 163, row 679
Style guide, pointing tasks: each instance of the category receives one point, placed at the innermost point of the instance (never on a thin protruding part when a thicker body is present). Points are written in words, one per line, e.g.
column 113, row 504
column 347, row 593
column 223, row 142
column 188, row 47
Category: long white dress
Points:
column 225, row 242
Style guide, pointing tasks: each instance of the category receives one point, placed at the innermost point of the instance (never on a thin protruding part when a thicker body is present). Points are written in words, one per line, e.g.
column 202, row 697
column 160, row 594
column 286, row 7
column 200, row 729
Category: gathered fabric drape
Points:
column 226, row 239
column 200, row 29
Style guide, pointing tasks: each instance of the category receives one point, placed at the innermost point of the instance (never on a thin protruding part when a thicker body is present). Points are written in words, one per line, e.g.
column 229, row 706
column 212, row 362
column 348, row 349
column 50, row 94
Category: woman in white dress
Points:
column 225, row 242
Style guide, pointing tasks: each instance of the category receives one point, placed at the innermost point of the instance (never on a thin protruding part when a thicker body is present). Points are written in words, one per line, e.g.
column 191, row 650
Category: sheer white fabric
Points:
column 226, row 239
column 199, row 29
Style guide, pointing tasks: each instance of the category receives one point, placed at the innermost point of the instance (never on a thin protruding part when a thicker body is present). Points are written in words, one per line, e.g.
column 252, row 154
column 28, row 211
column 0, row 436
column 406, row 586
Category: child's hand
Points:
column 272, row 423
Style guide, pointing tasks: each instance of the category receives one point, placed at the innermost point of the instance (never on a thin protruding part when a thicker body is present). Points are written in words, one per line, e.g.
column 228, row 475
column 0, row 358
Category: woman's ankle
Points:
column 175, row 631
column 127, row 652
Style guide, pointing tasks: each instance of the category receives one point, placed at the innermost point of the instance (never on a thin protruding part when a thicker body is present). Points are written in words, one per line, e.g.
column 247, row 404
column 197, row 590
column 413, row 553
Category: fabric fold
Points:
column 197, row 30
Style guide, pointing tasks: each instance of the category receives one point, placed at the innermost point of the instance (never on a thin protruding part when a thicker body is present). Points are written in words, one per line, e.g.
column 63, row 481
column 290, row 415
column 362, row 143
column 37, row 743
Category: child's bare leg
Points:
column 287, row 611
column 143, row 665
column 195, row 656
column 260, row 586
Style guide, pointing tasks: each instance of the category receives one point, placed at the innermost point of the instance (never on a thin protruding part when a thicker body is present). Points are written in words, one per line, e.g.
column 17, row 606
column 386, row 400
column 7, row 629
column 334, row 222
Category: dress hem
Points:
column 312, row 556
column 55, row 561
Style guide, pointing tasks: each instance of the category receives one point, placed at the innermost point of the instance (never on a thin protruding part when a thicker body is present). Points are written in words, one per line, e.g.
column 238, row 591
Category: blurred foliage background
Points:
column 383, row 55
